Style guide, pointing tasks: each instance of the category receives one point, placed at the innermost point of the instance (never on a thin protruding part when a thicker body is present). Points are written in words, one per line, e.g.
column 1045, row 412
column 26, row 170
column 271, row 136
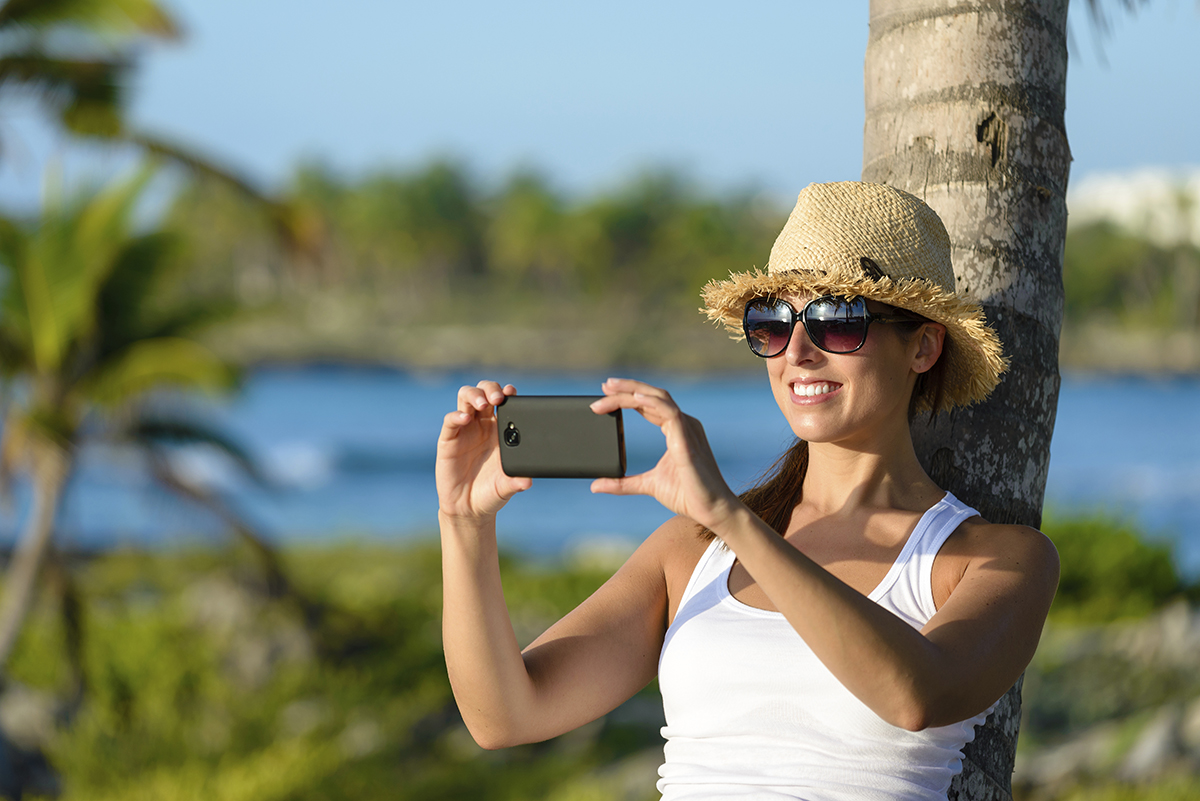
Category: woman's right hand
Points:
column 470, row 481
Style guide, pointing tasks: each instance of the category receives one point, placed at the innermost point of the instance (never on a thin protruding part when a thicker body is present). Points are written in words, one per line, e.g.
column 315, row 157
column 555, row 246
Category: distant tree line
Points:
column 437, row 230
column 436, row 244
column 1115, row 275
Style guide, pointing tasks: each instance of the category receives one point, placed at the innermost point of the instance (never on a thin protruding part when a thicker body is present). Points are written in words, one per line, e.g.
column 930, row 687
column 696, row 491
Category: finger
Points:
column 629, row 485
column 492, row 390
column 613, row 386
column 483, row 396
column 471, row 399
column 453, row 423
column 658, row 411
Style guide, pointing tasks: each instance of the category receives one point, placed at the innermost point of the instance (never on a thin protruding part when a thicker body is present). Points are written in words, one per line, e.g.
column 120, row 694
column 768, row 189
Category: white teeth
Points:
column 810, row 390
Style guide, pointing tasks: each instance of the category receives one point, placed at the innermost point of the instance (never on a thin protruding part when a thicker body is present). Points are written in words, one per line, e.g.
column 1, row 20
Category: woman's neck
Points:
column 845, row 479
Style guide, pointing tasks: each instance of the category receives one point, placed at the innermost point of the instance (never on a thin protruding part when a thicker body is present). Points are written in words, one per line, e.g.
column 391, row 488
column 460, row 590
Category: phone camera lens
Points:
column 512, row 437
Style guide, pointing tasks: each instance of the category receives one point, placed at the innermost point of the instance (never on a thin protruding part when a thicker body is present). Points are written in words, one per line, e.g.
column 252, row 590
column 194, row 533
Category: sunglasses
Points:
column 834, row 324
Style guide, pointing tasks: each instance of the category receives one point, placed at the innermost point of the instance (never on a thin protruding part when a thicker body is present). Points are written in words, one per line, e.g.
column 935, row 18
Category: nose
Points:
column 800, row 348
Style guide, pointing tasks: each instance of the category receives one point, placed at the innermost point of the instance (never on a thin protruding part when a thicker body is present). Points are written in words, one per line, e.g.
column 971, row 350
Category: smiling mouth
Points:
column 814, row 389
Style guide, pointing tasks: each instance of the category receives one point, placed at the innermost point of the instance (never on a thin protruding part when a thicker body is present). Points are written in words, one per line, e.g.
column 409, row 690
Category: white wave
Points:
column 298, row 465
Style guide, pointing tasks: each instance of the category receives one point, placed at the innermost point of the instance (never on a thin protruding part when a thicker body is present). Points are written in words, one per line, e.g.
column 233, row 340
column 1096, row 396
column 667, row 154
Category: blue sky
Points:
column 765, row 93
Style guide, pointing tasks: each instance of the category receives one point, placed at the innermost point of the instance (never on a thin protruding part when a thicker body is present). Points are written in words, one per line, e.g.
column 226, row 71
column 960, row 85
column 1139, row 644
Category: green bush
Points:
column 1173, row 788
column 201, row 687
column 1109, row 570
column 196, row 686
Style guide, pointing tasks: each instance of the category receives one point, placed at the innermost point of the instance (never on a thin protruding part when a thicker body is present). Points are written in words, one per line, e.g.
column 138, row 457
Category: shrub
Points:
column 1109, row 570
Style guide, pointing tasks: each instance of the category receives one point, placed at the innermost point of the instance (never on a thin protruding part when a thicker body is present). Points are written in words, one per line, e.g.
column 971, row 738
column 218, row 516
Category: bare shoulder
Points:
column 1024, row 554
column 676, row 547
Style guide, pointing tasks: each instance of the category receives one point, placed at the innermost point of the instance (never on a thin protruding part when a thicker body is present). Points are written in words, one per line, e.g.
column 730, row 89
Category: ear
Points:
column 930, row 340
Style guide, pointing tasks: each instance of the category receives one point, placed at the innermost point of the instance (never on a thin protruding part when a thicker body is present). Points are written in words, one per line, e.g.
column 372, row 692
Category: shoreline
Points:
column 1083, row 353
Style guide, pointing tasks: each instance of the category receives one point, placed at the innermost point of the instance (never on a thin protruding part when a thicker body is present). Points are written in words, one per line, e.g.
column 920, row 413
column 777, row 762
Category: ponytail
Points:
column 778, row 493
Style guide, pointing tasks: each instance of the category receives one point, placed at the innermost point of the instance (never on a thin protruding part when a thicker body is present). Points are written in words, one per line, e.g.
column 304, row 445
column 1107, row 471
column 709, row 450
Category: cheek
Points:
column 775, row 376
column 890, row 375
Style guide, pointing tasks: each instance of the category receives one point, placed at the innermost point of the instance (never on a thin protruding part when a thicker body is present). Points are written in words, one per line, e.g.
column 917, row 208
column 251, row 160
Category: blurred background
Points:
column 249, row 251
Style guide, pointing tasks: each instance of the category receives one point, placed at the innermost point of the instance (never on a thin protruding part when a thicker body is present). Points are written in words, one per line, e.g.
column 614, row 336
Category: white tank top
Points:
column 753, row 714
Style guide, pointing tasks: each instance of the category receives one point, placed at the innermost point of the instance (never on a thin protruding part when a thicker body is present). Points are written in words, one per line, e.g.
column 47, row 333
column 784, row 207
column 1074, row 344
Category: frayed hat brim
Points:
column 974, row 359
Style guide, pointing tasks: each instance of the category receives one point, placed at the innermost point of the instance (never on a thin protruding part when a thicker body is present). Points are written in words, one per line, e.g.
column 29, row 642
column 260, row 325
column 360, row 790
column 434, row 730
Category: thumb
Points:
column 514, row 485
column 630, row 485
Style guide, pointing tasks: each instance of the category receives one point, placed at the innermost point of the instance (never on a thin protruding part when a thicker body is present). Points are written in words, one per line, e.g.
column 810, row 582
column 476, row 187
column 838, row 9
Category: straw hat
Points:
column 872, row 240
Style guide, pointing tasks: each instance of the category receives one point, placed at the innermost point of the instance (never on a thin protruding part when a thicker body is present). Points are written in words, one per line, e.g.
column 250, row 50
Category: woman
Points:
column 836, row 632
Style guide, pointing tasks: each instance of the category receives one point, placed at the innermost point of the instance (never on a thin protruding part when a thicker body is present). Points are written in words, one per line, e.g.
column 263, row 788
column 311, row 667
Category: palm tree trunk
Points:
column 964, row 108
column 50, row 466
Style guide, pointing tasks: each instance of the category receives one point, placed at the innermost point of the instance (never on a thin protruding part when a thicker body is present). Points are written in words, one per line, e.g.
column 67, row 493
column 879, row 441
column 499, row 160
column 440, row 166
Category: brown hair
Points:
column 778, row 492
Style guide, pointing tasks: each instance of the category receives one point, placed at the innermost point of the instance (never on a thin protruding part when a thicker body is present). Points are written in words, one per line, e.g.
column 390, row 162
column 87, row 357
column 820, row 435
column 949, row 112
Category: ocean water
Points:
column 348, row 453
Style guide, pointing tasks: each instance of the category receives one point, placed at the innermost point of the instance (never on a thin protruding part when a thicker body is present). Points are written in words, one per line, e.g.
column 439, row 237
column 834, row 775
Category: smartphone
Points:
column 559, row 436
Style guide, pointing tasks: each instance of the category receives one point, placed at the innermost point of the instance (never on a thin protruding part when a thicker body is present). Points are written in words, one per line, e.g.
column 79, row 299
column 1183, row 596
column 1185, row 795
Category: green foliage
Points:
column 1109, row 570
column 74, row 55
column 201, row 688
column 1110, row 273
column 431, row 252
column 430, row 255
column 1171, row 788
column 1100, row 660
column 80, row 319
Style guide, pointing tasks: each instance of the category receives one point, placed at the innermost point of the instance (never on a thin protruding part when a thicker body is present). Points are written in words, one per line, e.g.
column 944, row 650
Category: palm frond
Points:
column 15, row 351
column 103, row 221
column 70, row 254
column 153, row 364
column 1098, row 11
column 154, row 431
column 298, row 228
column 188, row 319
column 88, row 96
column 125, row 297
column 123, row 17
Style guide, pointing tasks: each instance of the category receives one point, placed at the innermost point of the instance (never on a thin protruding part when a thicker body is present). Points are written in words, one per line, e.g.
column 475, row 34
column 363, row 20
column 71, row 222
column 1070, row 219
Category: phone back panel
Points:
column 559, row 436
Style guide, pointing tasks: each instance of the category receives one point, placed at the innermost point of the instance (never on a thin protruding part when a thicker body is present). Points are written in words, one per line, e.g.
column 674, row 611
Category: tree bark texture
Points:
column 964, row 108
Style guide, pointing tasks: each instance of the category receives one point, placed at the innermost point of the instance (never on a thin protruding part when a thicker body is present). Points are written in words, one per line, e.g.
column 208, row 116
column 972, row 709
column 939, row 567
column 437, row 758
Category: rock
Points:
column 362, row 736
column 1089, row 753
column 219, row 605
column 26, row 716
column 26, row 726
column 1156, row 748
column 1189, row 728
column 302, row 716
column 253, row 635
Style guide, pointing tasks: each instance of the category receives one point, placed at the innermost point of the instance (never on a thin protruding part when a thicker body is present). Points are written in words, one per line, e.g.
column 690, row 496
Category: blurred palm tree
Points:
column 75, row 57
column 82, row 342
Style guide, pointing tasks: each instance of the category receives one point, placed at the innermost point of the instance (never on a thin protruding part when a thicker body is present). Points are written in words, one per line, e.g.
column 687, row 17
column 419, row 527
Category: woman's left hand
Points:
column 686, row 479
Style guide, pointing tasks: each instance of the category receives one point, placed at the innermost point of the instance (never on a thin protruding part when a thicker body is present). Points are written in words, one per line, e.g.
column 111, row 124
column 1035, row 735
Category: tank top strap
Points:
column 711, row 563
column 907, row 589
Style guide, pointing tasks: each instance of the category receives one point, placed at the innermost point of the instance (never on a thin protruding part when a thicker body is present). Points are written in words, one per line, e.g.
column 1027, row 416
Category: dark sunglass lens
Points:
column 836, row 325
column 768, row 326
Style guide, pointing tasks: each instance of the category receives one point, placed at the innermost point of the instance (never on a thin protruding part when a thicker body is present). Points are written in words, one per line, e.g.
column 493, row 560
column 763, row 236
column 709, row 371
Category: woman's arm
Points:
column 965, row 658
column 583, row 666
